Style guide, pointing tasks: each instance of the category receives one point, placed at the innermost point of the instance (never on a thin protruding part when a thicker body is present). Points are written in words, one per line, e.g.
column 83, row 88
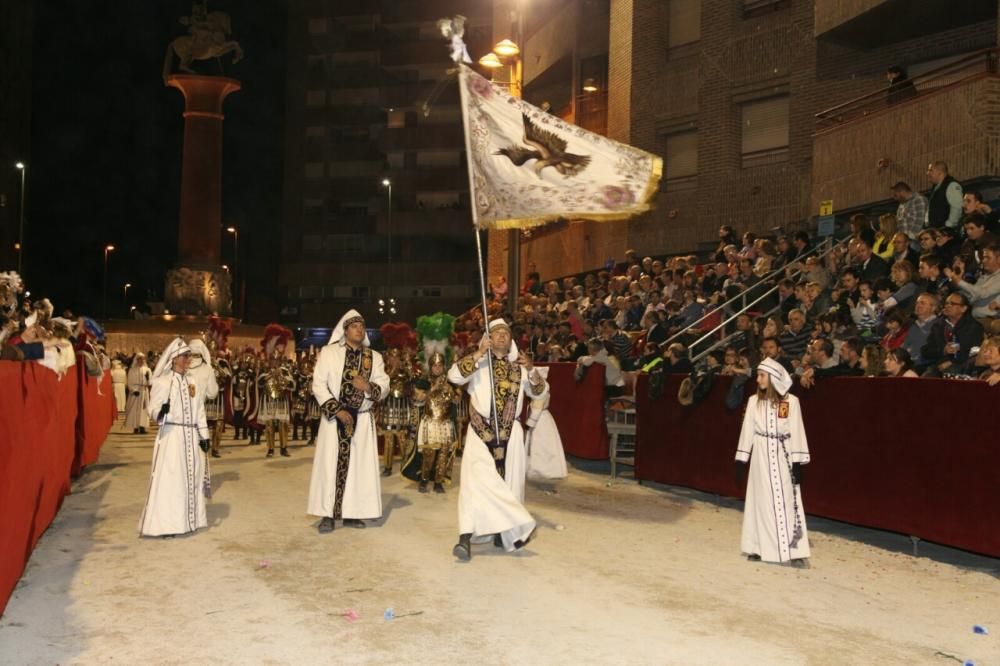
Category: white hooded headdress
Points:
column 349, row 318
column 176, row 348
column 502, row 323
column 780, row 379
column 199, row 347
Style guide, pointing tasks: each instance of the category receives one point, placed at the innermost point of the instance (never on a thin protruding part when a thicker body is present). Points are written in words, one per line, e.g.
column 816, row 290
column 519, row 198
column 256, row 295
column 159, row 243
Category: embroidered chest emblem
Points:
column 191, row 389
column 783, row 410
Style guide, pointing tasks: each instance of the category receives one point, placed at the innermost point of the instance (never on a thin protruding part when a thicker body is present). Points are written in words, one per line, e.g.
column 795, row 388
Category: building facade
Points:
column 732, row 94
column 370, row 102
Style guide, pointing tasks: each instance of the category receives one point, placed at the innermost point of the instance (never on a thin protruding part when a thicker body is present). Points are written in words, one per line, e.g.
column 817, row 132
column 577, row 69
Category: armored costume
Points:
column 275, row 386
column 437, row 432
column 241, row 396
column 305, row 409
column 394, row 419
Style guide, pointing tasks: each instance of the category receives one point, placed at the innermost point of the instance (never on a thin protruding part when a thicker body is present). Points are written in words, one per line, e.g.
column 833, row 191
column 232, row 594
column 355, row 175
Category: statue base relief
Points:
column 200, row 291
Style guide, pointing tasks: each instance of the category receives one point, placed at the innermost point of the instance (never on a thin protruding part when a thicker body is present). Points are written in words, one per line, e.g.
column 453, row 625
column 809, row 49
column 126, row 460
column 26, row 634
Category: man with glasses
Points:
column 951, row 338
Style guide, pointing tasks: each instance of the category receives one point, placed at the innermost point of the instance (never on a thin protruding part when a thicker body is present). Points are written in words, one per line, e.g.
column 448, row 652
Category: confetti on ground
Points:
column 264, row 564
column 980, row 629
column 389, row 614
column 351, row 615
column 560, row 527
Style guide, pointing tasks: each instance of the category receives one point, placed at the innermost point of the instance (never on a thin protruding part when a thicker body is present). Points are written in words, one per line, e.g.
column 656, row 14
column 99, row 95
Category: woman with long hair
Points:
column 883, row 237
column 873, row 361
column 899, row 364
column 773, row 442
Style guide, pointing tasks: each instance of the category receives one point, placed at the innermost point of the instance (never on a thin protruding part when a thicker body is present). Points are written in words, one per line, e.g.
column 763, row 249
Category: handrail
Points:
column 859, row 106
column 742, row 295
column 734, row 317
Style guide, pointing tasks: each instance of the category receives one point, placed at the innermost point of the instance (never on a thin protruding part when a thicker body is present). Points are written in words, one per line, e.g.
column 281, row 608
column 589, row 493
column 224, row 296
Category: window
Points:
column 317, row 26
column 397, row 118
column 683, row 22
column 681, row 162
column 765, row 131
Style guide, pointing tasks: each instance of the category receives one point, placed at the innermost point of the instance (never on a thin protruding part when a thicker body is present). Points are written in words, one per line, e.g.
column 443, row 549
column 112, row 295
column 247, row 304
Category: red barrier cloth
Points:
column 913, row 456
column 37, row 448
column 578, row 409
column 97, row 413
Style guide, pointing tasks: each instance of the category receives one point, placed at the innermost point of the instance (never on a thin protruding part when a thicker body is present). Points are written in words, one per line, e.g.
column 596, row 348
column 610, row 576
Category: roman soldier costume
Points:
column 275, row 385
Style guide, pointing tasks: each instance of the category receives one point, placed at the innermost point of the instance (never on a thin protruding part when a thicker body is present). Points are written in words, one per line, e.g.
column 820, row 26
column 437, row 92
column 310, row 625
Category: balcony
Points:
column 870, row 24
column 862, row 147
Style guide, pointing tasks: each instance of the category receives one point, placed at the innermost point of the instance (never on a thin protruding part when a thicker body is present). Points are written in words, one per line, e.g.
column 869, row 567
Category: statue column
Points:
column 198, row 284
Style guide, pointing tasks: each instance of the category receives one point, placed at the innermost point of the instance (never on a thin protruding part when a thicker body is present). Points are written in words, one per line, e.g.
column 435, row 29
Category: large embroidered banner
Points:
column 528, row 167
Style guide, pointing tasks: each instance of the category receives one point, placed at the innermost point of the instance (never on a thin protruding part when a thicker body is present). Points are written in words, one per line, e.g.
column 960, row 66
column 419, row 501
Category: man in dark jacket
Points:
column 951, row 338
column 872, row 266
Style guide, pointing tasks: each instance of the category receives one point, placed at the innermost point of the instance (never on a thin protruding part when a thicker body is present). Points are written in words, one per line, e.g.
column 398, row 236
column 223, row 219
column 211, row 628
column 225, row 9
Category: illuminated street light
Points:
column 20, row 224
column 491, row 61
column 108, row 249
column 506, row 49
column 236, row 265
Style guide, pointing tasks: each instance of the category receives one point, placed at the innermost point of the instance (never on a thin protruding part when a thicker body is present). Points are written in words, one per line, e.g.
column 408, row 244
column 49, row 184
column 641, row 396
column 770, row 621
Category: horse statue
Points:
column 207, row 38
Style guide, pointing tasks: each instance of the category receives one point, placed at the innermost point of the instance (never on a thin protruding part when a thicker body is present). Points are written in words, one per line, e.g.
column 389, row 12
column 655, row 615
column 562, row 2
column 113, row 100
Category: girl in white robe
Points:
column 546, row 459
column 137, row 401
column 118, row 380
column 175, row 502
column 773, row 440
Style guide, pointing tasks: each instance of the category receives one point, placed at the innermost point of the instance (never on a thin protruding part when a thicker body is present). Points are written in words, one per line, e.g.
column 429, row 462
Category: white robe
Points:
column 203, row 376
column 773, row 504
column 488, row 503
column 546, row 459
column 362, row 497
column 175, row 503
column 118, row 380
column 136, row 407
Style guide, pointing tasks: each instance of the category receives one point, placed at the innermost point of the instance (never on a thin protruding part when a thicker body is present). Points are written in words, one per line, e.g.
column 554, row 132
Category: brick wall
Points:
column 829, row 14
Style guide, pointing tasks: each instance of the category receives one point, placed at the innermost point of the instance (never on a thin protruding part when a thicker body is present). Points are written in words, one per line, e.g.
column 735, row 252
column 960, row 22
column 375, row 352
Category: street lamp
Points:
column 125, row 297
column 236, row 264
column 20, row 225
column 108, row 249
column 388, row 212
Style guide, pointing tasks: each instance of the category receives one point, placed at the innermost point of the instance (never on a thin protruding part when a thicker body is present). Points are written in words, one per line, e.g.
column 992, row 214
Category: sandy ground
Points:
column 625, row 574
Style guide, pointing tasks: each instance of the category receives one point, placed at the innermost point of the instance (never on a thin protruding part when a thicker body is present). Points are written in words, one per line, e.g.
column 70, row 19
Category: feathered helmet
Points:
column 217, row 335
column 398, row 336
column 275, row 340
column 10, row 287
column 435, row 330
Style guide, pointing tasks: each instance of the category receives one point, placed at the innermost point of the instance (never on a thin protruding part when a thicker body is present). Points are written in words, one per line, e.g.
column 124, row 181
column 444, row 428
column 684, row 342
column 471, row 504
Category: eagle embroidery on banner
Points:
column 547, row 149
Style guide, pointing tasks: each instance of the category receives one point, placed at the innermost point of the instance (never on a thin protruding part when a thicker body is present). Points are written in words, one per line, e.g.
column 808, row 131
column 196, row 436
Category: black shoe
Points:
column 753, row 557
column 135, row 431
column 354, row 522
column 519, row 544
column 438, row 488
column 216, row 454
column 326, row 525
column 799, row 563
column 142, row 431
column 270, row 454
column 463, row 549
column 498, row 541
column 387, row 471
column 423, row 486
column 285, row 453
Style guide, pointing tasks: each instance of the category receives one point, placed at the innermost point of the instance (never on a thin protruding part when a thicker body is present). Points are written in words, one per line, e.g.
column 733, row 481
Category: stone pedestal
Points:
column 198, row 284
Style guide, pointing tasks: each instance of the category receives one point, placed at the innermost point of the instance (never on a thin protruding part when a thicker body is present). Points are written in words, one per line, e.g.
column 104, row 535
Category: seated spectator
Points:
column 948, row 243
column 795, row 335
column 906, row 289
column 748, row 251
column 734, row 364
column 951, row 338
column 764, row 264
column 864, row 312
column 928, row 242
column 896, row 325
column 850, row 365
column 614, row 380
column 848, row 291
column 899, row 364
column 656, row 332
column 861, row 229
column 901, row 250
column 872, row 267
column 771, row 348
column 933, row 279
column 883, row 237
column 925, row 313
column 989, row 354
column 633, row 316
column 972, row 203
column 651, row 357
column 691, row 310
column 873, row 361
column 977, row 240
column 985, row 293
column 727, row 237
column 676, row 360
column 786, row 297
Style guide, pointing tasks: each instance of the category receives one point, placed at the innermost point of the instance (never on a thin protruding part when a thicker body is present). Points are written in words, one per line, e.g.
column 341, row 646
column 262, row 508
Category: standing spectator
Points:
column 951, row 338
column 727, row 236
column 614, row 380
column 911, row 214
column 901, row 88
column 945, row 200
column 619, row 342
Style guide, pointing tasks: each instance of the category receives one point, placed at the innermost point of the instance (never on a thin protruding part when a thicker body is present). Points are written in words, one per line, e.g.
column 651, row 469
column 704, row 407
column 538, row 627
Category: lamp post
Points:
column 23, row 168
column 125, row 296
column 108, row 249
column 236, row 264
column 386, row 183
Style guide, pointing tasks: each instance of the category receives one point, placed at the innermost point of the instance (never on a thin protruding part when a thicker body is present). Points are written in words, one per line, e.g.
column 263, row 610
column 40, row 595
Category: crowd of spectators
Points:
column 914, row 292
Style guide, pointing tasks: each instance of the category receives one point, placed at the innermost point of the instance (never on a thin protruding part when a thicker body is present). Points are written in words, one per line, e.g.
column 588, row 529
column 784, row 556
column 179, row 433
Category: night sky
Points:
column 106, row 150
